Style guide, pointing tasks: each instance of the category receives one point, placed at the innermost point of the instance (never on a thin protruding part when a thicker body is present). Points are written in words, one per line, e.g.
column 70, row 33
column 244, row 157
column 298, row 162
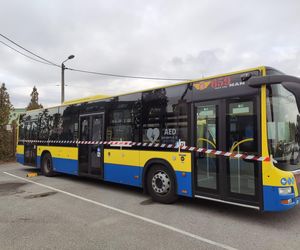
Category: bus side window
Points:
column 85, row 129
column 241, row 121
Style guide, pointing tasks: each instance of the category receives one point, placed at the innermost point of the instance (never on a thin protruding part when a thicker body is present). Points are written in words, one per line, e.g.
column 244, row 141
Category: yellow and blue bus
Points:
column 232, row 138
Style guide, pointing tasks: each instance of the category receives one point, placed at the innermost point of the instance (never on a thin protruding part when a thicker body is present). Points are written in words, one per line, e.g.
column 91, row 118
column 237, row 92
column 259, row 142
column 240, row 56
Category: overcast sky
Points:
column 167, row 38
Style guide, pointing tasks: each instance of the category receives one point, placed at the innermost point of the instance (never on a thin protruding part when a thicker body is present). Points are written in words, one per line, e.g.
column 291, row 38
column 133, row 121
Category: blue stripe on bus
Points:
column 20, row 158
column 129, row 175
column 184, row 183
column 272, row 199
column 66, row 166
column 38, row 162
column 62, row 165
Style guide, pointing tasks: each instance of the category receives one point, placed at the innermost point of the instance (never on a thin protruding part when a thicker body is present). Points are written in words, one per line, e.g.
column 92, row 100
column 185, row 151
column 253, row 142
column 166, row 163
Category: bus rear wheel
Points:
column 47, row 165
column 161, row 184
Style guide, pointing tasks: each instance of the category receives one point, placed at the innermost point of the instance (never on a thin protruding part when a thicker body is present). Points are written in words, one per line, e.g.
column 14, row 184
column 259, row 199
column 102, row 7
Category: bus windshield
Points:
column 283, row 127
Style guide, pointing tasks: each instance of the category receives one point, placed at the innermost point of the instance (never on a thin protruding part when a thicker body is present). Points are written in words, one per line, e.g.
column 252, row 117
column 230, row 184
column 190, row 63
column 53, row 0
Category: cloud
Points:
column 198, row 65
column 169, row 39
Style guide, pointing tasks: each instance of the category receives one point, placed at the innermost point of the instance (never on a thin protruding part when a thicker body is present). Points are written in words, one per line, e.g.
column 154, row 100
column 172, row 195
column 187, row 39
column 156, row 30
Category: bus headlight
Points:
column 285, row 190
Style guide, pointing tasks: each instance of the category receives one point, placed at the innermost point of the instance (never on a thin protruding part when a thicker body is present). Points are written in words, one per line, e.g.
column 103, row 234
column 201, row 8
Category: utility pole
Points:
column 62, row 98
column 63, row 67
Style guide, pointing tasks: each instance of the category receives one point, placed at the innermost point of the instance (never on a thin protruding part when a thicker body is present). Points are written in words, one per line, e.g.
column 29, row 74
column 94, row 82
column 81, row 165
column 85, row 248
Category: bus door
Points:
column 30, row 150
column 30, row 154
column 207, row 165
column 230, row 126
column 241, row 138
column 91, row 155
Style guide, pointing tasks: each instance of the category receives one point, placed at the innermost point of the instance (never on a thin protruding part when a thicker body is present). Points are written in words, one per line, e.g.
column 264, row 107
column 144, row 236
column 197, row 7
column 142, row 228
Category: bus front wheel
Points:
column 161, row 184
column 47, row 165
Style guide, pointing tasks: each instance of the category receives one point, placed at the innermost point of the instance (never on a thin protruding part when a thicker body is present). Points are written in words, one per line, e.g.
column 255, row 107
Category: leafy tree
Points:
column 5, row 136
column 5, row 106
column 34, row 102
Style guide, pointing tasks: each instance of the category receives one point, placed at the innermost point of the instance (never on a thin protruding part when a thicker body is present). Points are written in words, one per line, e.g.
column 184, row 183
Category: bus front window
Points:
column 283, row 127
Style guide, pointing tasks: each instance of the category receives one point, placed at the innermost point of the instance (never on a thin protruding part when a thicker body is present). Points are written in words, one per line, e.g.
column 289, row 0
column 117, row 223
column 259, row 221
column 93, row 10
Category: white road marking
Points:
column 174, row 229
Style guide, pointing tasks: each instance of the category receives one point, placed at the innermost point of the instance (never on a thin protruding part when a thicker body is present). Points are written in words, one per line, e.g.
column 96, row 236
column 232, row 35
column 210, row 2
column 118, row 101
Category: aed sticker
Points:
column 289, row 181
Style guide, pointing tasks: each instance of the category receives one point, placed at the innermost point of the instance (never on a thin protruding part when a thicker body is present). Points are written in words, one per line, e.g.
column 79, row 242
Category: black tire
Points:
column 47, row 166
column 161, row 184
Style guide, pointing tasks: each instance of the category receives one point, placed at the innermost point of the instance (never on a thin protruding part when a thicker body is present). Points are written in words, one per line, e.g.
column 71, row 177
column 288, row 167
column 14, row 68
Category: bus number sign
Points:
column 218, row 83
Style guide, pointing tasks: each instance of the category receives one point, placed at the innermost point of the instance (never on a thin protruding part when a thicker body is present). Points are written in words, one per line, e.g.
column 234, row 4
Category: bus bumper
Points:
column 273, row 201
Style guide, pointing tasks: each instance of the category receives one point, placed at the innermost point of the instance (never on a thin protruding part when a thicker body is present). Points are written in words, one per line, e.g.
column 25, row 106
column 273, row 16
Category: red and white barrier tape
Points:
column 157, row 145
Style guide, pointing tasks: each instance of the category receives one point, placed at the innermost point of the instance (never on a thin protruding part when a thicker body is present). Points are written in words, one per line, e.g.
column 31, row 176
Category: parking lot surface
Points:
column 67, row 212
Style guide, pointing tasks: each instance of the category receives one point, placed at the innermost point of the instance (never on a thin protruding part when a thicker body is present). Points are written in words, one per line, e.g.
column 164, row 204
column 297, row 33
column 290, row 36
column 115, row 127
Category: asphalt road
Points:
column 65, row 212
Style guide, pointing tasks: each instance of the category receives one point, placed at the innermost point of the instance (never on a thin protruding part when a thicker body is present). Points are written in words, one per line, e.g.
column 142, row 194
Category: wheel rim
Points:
column 161, row 182
column 47, row 165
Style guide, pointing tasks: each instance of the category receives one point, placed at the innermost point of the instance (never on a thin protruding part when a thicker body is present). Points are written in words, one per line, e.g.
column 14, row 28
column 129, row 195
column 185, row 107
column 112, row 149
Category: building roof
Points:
column 14, row 114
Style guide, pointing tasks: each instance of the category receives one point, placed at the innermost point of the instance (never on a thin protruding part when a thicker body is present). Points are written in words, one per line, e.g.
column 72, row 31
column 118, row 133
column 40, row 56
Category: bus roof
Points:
column 260, row 68
column 85, row 99
column 101, row 97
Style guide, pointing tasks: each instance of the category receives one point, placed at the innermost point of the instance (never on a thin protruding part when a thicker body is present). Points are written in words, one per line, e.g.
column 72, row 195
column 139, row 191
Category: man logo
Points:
column 283, row 181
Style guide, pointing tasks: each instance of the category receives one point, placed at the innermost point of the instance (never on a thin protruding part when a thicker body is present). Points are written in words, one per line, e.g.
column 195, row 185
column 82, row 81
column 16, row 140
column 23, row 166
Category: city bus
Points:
column 232, row 138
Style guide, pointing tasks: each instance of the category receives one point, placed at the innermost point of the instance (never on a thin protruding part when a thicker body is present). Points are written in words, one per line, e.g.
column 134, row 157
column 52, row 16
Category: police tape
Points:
column 234, row 155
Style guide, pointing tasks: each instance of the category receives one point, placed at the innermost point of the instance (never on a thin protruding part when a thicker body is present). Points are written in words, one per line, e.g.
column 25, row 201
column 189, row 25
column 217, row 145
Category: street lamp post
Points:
column 63, row 67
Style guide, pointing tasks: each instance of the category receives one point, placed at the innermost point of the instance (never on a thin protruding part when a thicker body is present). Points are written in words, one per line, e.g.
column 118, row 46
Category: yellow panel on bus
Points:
column 122, row 157
column 273, row 176
column 180, row 161
column 59, row 152
column 20, row 149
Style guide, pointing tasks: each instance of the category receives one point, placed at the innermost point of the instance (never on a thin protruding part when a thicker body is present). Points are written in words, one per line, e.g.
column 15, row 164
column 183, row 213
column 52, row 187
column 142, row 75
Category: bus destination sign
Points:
column 219, row 83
